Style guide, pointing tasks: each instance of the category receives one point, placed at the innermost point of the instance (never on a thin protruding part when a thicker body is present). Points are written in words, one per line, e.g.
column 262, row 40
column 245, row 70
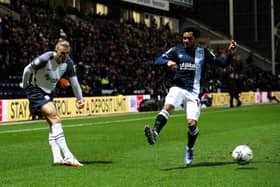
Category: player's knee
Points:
column 169, row 108
column 192, row 122
column 193, row 129
column 51, row 115
column 53, row 119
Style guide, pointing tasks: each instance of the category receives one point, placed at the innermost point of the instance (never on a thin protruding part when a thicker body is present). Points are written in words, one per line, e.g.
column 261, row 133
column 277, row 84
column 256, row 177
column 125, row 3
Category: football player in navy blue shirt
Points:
column 189, row 61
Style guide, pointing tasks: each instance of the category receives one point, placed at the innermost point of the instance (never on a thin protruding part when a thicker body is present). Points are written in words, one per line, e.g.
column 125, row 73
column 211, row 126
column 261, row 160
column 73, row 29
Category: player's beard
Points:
column 188, row 45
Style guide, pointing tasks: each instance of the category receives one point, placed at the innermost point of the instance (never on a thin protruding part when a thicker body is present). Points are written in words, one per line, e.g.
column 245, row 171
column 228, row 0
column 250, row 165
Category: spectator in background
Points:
column 206, row 100
column 234, row 86
column 100, row 43
column 270, row 95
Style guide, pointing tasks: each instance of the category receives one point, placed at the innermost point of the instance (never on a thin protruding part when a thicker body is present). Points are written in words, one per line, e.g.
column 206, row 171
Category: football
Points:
column 242, row 154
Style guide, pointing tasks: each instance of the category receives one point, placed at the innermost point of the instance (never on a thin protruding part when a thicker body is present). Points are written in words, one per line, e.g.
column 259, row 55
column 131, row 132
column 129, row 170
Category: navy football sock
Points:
column 192, row 135
column 161, row 120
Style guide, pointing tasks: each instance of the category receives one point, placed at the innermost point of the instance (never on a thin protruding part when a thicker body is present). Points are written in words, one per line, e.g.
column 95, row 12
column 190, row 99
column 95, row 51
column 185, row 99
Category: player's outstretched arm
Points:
column 225, row 61
column 232, row 48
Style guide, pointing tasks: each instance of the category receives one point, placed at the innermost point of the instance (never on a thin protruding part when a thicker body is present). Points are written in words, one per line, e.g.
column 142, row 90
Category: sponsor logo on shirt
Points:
column 187, row 66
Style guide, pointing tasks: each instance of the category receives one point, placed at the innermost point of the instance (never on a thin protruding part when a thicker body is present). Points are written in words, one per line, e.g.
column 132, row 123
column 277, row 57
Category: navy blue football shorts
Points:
column 37, row 98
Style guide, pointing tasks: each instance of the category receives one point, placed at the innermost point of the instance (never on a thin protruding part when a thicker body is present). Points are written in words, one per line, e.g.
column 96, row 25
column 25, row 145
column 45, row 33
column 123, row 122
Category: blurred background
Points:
column 114, row 43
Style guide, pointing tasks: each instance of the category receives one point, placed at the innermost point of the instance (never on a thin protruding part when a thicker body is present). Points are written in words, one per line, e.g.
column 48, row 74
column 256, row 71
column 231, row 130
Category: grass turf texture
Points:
column 115, row 151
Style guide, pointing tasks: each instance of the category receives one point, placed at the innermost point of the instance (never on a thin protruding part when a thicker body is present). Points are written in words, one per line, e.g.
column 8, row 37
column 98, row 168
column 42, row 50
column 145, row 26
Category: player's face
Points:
column 62, row 53
column 188, row 39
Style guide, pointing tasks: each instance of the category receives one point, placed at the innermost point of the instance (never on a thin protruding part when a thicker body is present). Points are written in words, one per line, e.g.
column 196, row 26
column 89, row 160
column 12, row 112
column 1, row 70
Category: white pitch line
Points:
column 107, row 122
column 80, row 125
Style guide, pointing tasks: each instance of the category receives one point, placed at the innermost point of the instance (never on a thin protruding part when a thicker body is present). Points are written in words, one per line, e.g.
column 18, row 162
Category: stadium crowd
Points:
column 110, row 54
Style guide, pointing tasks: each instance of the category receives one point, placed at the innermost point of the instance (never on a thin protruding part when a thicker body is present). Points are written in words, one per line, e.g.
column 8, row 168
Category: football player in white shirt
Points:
column 39, row 80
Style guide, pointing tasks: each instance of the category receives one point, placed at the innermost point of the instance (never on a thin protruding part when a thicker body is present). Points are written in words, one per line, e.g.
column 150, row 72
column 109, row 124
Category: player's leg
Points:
column 236, row 96
column 161, row 120
column 174, row 98
column 56, row 132
column 192, row 132
column 193, row 113
column 162, row 117
column 231, row 100
column 56, row 136
column 37, row 99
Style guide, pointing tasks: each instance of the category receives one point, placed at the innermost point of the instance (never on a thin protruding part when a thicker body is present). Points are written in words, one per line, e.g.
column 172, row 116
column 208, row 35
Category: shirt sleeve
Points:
column 27, row 72
column 71, row 73
column 76, row 87
column 222, row 62
column 164, row 58
column 41, row 60
column 33, row 66
column 71, row 70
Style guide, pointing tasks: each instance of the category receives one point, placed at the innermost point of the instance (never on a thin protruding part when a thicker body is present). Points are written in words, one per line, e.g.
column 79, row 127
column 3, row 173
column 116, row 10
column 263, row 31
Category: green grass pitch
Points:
column 115, row 152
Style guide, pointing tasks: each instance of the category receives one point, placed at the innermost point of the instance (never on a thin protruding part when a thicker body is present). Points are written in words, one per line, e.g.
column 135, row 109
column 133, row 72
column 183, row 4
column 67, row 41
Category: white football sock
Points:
column 60, row 140
column 57, row 158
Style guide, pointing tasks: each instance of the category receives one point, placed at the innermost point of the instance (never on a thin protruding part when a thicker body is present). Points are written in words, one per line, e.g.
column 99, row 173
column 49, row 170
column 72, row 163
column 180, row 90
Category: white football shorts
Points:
column 178, row 96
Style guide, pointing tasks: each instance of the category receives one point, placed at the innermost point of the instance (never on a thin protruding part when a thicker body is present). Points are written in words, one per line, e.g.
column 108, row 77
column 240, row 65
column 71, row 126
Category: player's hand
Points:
column 232, row 48
column 172, row 65
column 21, row 85
column 80, row 104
